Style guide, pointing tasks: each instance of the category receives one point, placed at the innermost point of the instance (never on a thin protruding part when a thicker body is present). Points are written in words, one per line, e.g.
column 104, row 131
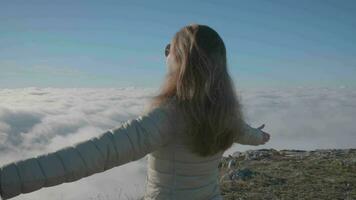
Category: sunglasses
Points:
column 166, row 50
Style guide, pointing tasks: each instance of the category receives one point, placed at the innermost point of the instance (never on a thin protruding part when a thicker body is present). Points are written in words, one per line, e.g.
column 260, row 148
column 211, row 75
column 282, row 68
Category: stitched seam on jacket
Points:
column 158, row 184
column 138, row 129
column 101, row 153
column 190, row 162
column 213, row 172
column 184, row 175
column 44, row 174
column 112, row 141
column 131, row 143
column 85, row 164
column 64, row 167
column 18, row 173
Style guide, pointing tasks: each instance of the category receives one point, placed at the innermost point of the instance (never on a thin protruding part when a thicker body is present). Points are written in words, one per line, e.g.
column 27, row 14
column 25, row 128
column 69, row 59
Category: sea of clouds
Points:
column 34, row 121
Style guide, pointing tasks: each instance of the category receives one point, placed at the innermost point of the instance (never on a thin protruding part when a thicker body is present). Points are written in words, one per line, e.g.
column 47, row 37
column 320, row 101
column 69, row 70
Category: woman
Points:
column 188, row 126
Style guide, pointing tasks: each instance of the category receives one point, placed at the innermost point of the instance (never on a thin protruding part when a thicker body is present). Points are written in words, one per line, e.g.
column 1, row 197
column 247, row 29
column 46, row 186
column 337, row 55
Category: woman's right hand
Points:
column 266, row 136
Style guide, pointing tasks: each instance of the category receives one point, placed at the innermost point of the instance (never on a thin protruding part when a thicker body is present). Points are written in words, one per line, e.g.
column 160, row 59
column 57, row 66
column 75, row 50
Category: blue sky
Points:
column 272, row 43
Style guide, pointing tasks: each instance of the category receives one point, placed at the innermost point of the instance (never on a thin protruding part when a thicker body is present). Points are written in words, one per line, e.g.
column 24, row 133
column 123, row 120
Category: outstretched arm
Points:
column 128, row 142
column 250, row 136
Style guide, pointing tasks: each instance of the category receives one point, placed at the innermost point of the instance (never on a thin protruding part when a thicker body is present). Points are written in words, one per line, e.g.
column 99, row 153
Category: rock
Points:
column 231, row 163
column 242, row 174
column 237, row 154
column 260, row 154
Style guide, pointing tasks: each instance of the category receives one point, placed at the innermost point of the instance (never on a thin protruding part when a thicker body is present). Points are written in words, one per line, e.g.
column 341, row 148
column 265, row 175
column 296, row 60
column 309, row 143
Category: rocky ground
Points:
column 289, row 174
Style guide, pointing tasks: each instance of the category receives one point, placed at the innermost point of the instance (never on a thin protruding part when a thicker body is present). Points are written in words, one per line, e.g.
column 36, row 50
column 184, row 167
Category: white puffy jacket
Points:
column 173, row 172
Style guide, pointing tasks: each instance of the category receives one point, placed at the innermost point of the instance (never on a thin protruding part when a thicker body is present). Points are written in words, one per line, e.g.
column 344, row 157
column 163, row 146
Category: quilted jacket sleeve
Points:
column 250, row 136
column 131, row 141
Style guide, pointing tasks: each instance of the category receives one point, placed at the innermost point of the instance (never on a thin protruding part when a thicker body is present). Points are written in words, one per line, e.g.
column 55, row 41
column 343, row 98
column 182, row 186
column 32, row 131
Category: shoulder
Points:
column 167, row 109
column 168, row 105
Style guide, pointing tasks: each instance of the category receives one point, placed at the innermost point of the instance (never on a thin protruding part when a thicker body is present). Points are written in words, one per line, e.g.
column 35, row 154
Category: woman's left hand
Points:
column 266, row 136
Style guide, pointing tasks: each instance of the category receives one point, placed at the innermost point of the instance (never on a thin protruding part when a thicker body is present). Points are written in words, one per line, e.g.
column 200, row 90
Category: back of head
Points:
column 203, row 90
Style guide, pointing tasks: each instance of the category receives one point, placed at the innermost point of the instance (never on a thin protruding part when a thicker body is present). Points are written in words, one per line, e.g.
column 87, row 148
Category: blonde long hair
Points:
column 203, row 89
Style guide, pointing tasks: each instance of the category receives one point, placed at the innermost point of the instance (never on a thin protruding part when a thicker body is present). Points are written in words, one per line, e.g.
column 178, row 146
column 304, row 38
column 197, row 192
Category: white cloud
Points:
column 37, row 120
column 302, row 117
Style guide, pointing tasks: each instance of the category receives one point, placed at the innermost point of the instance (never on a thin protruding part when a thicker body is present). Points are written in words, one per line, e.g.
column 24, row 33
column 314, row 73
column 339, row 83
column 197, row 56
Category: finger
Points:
column 261, row 127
